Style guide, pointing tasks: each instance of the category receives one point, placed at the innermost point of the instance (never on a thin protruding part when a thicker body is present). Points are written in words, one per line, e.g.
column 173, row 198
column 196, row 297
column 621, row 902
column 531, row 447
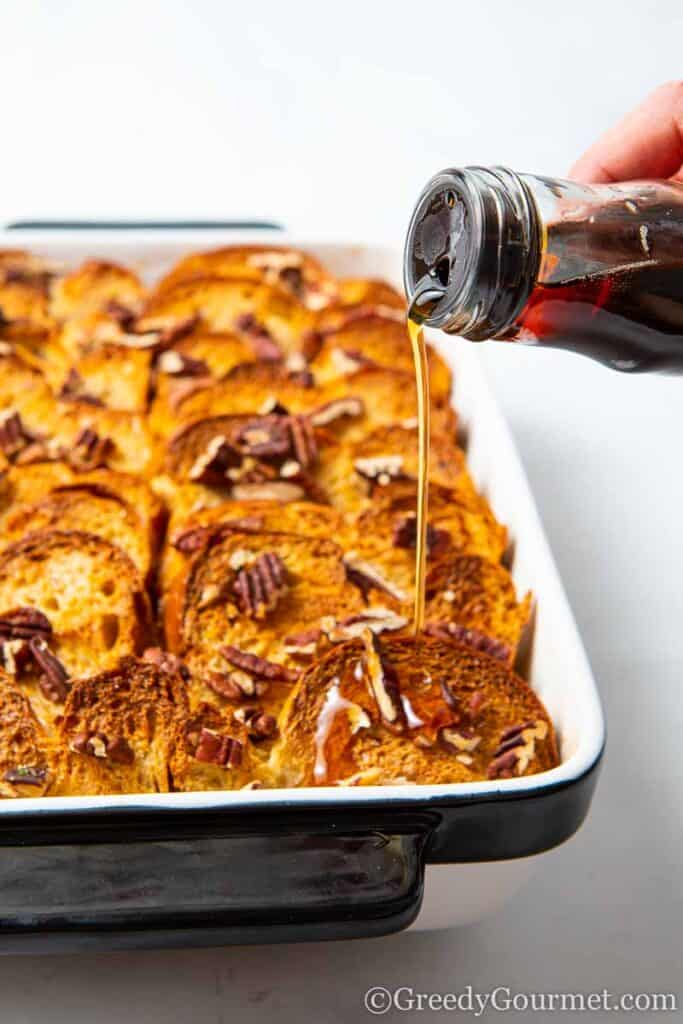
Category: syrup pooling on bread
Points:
column 208, row 534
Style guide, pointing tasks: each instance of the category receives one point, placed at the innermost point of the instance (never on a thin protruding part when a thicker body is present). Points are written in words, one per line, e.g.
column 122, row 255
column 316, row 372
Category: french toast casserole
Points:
column 207, row 541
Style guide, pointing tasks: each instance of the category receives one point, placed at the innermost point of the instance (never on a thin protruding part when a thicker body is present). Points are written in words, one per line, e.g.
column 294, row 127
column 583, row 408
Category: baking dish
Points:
column 266, row 866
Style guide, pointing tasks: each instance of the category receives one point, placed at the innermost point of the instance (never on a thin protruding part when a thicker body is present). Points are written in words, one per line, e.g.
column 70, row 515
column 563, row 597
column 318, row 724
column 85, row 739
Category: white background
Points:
column 330, row 117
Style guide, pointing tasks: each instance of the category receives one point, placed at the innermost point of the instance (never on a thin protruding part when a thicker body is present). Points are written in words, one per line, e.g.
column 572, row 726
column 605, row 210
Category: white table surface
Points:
column 331, row 119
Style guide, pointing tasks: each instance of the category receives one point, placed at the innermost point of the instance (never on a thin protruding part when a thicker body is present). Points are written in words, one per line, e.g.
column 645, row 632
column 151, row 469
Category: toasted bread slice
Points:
column 456, row 523
column 385, row 458
column 27, row 759
column 92, row 286
column 94, row 602
column 89, row 508
column 124, row 441
column 376, row 341
column 290, row 269
column 24, row 390
column 28, row 487
column 120, row 729
column 269, row 319
column 112, row 375
column 188, row 533
column 207, row 607
column 388, row 397
column 410, row 710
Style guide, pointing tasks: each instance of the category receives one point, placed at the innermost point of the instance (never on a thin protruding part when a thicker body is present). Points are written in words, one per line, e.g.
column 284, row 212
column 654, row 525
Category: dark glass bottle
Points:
column 515, row 257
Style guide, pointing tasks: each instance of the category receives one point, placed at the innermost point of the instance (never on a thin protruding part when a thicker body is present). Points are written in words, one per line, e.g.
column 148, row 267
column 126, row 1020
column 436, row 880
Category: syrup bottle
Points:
column 515, row 257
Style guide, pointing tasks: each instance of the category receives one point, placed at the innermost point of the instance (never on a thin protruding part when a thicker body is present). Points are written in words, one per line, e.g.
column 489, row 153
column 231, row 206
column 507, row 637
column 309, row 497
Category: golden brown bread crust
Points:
column 92, row 286
column 266, row 317
column 296, row 272
column 27, row 759
column 234, row 451
column 421, row 711
column 93, row 599
column 119, row 730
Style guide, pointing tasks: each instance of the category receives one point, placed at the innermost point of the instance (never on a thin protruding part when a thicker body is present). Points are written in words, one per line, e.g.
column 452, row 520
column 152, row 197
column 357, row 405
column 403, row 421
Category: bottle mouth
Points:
column 438, row 251
column 471, row 251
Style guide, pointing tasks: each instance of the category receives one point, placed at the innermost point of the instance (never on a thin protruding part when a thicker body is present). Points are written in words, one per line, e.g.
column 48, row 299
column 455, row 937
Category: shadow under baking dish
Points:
column 284, row 865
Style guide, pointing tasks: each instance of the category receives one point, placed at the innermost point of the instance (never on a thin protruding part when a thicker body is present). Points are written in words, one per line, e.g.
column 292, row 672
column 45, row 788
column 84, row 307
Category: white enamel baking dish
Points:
column 210, row 868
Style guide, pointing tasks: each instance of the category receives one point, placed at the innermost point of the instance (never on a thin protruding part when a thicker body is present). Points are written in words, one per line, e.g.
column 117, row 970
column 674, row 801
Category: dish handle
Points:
column 278, row 883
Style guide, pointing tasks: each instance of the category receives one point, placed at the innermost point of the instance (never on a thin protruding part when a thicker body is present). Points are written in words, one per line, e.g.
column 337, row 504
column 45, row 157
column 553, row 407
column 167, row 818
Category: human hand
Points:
column 647, row 143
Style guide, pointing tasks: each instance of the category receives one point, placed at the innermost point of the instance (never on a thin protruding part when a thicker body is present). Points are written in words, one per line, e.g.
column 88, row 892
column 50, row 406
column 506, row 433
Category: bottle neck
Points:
column 472, row 251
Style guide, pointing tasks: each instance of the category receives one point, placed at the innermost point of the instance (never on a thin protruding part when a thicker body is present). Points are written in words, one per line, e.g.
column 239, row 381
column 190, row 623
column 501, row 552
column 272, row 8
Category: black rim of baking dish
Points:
column 217, row 875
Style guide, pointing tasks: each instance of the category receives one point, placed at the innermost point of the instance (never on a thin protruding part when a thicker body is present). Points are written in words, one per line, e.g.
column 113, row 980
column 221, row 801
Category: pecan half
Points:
column 90, row 450
column 175, row 364
column 24, row 624
column 212, row 465
column 235, row 686
column 260, row 586
column 304, row 644
column 54, row 683
column 26, row 775
column 215, row 748
column 304, row 446
column 470, row 637
column 180, row 329
column 377, row 619
column 256, row 666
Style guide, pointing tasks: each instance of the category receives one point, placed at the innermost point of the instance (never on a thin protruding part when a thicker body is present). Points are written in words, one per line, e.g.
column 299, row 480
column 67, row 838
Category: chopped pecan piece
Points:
column 302, row 645
column 260, row 586
column 380, row 469
column 123, row 315
column 166, row 662
column 26, row 775
column 367, row 577
column 471, row 637
column 215, row 748
column 73, row 389
column 24, row 624
column 405, row 536
column 256, row 666
column 195, row 537
column 54, row 683
column 235, row 686
column 516, row 730
column 90, row 451
column 14, row 437
column 175, row 364
column 377, row 619
column 460, row 740
column 260, row 726
column 293, row 279
column 336, row 409
column 120, row 751
column 502, row 767
column 180, row 329
column 212, row 466
column 264, row 346
column 383, row 683
column 270, row 490
column 265, row 437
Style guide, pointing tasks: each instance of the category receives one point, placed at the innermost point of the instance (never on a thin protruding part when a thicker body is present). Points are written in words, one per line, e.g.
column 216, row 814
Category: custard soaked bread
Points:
column 207, row 540
column 376, row 711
